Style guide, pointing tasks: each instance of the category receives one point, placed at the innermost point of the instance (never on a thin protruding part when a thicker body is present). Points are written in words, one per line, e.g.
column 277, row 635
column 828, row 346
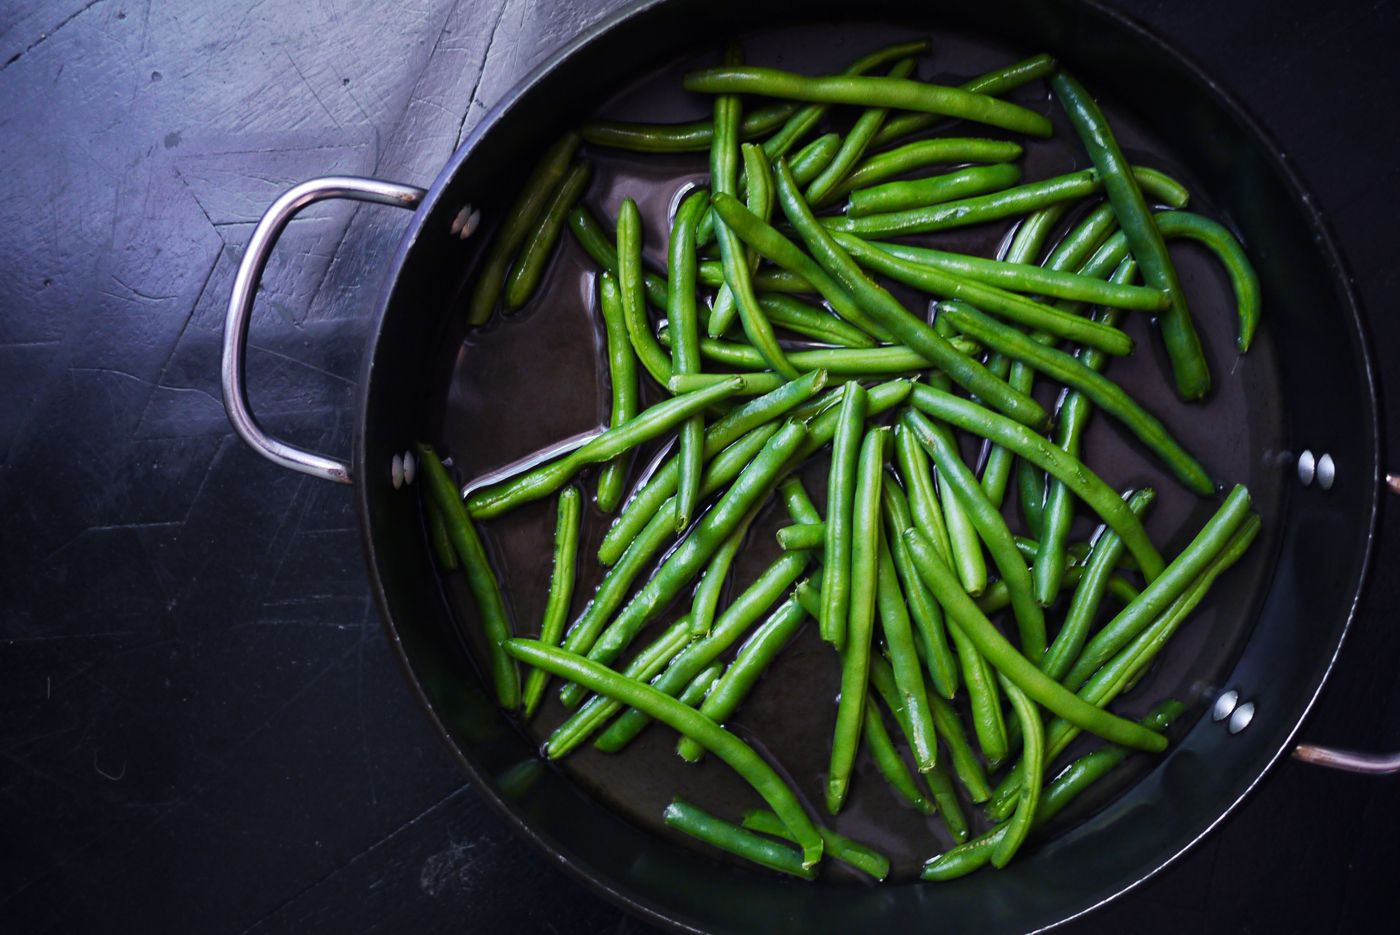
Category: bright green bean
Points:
column 561, row 589
column 626, row 395
column 841, row 486
column 759, row 198
column 933, row 189
column 938, row 151
column 711, row 273
column 683, row 318
column 917, row 474
column 602, row 247
column 524, row 276
column 812, row 322
column 998, row 81
column 938, row 657
column 711, row 586
column 802, row 536
column 855, row 143
column 888, row 761
column 630, row 283
column 481, row 579
column 1216, row 238
column 700, row 686
column 904, row 659
column 798, row 502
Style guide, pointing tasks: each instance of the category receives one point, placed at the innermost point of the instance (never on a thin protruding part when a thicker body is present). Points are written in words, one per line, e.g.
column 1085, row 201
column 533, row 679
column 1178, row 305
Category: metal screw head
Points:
column 1241, row 717
column 1307, row 467
column 1225, row 705
column 396, row 471
column 1326, row 472
column 410, row 467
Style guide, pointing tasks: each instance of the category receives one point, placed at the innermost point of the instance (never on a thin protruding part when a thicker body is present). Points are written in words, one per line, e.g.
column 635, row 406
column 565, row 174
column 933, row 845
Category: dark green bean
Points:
column 711, row 586
column 965, row 763
column 807, row 163
column 888, row 761
column 626, row 395
column 739, row 755
column 561, row 589
column 683, row 319
column 863, row 360
column 644, row 504
column 912, row 331
column 860, row 619
column 1178, row 332
column 1085, row 484
column 901, row 93
column 541, row 481
column 802, row 536
column 516, row 222
column 938, row 151
column 693, row 137
column 736, row 840
column 753, row 658
column 924, row 507
column 780, row 281
column 1033, row 768
column 938, row 657
column 524, row 276
column 904, row 659
column 1214, row 536
column 602, row 247
column 933, row 189
column 855, row 143
column 1216, row 238
column 759, row 198
column 812, row 322
column 1103, row 558
column 993, row 299
column 481, row 579
column 991, row 528
column 993, row 82
column 630, row 283
column 841, row 486
column 838, row 846
column 1106, row 394
column 1003, row 657
column 438, row 538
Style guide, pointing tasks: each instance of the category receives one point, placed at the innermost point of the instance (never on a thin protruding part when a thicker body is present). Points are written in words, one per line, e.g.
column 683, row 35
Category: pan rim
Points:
column 1302, row 199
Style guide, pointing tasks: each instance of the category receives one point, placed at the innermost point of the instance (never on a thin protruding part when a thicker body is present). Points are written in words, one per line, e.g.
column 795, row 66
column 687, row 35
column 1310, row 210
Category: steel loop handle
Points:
column 240, row 308
column 1350, row 761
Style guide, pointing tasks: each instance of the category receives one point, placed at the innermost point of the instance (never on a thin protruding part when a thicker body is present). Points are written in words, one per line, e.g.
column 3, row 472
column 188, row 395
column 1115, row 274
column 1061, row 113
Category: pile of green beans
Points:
column 968, row 633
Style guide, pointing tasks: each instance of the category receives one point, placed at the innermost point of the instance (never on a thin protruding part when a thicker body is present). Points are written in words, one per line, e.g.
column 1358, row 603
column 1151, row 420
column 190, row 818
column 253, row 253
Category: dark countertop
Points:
column 201, row 726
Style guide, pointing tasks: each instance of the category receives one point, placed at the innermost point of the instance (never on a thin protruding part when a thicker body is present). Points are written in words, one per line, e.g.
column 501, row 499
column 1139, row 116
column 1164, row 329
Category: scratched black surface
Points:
column 201, row 728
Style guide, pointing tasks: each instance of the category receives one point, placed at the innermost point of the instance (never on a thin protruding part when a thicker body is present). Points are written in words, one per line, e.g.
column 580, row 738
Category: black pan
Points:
column 1256, row 655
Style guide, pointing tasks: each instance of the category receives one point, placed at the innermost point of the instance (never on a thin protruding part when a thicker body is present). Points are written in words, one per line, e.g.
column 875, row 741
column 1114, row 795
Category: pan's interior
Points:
column 493, row 397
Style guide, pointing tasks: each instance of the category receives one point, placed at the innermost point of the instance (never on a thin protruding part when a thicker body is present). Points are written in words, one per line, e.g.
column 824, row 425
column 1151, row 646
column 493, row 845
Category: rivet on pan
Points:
column 396, row 471
column 1241, row 718
column 466, row 221
column 1224, row 705
column 1326, row 472
column 410, row 467
column 1307, row 467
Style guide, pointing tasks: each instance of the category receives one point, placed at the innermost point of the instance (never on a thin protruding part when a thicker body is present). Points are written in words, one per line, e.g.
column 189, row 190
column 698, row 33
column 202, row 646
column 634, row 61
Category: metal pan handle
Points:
column 240, row 308
column 1351, row 761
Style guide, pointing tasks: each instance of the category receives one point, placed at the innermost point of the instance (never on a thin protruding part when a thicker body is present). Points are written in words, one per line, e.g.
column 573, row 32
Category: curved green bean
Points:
column 693, row 137
column 931, row 190
column 739, row 755
column 561, row 589
column 841, row 486
column 626, row 395
column 838, row 846
column 1217, row 238
column 799, row 503
column 481, row 578
column 524, row 276
column 1033, row 768
column 683, row 319
column 998, row 81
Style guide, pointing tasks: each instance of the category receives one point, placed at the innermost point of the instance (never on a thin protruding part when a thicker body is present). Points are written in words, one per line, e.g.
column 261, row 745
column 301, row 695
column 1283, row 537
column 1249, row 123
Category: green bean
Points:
column 807, row 163
column 993, row 82
column 1178, row 576
column 626, row 398
column 917, row 218
column 711, row 273
column 640, row 509
column 739, row 755
column 736, row 840
column 966, row 550
column 1085, row 484
column 838, row 846
column 940, row 785
column 644, row 666
column 753, row 484
column 524, row 276
column 561, row 589
column 912, row 331
column 879, row 398
column 994, row 299
column 735, row 621
column 867, row 91
column 750, row 384
column 1075, row 410
column 1106, row 394
column 933, row 640
column 711, row 586
column 933, row 189
column 700, row 686
column 799, row 504
column 1216, row 238
column 860, row 617
column 812, row 322
column 759, row 198
column 754, row 657
column 855, row 143
column 659, row 530
column 1103, row 558
column 516, row 222
column 864, row 360
column 481, row 579
column 545, row 479
column 888, row 761
column 690, row 658
column 991, row 528
column 841, row 486
column 924, row 507
column 693, row 137
column 966, row 766
column 939, row 151
column 899, row 640
column 438, row 538
column 1072, row 781
column 682, row 317
column 1033, row 768
column 1167, row 190
column 802, row 536
column 601, row 246
column 1035, row 280
column 630, row 283
column 1003, row 657
column 1178, row 333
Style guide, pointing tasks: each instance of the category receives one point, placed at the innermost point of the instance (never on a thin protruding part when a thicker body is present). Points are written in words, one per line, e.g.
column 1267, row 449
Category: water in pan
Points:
column 527, row 382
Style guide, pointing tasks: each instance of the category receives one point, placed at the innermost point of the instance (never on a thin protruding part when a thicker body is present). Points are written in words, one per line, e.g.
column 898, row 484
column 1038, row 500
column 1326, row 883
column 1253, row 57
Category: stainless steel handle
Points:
column 240, row 309
column 1351, row 761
